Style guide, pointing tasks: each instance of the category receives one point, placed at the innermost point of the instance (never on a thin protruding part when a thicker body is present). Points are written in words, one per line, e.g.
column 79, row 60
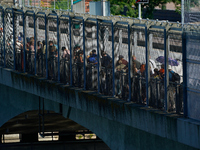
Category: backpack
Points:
column 175, row 77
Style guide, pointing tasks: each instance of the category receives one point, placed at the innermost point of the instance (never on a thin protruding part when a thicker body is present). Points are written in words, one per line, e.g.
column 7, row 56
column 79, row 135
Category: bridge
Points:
column 124, row 110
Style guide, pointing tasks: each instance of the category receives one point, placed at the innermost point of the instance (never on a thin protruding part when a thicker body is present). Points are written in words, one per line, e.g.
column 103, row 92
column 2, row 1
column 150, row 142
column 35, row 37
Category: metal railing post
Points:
column 113, row 59
column 129, row 63
column 4, row 48
column 24, row 41
column 71, row 51
column 35, row 39
column 58, row 41
column 184, row 51
column 147, row 65
column 98, row 61
column 84, row 55
column 46, row 42
column 14, row 39
column 166, row 78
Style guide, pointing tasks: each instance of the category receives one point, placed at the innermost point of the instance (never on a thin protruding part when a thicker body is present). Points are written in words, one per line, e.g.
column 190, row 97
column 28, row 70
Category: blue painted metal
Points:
column 46, row 46
column 129, row 63
column 35, row 39
column 84, row 67
column 192, row 90
column 41, row 13
column 29, row 11
column 105, row 21
column 77, row 1
column 58, row 38
column 65, row 16
column 11, row 9
column 185, row 110
column 113, row 59
column 4, row 46
column 78, row 18
column 71, row 51
column 122, row 22
column 165, row 64
column 176, row 29
column 140, row 25
column 14, row 39
column 157, row 27
column 98, row 63
column 52, row 14
column 147, row 67
column 192, row 61
column 91, row 19
column 24, row 42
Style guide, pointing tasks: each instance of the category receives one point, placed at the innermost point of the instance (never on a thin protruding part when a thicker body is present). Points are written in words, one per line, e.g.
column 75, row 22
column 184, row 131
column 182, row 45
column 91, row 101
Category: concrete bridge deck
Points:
column 120, row 124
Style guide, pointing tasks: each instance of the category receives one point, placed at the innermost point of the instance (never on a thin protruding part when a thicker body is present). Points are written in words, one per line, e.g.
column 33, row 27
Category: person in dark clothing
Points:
column 93, row 58
column 137, row 63
column 106, row 60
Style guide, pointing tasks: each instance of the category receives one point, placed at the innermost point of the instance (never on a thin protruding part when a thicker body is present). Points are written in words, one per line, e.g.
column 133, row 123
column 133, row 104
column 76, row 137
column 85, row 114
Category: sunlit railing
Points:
column 22, row 49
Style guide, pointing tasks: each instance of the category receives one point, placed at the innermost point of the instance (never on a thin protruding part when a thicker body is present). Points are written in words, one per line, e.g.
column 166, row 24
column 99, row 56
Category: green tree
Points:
column 61, row 4
column 117, row 7
column 151, row 6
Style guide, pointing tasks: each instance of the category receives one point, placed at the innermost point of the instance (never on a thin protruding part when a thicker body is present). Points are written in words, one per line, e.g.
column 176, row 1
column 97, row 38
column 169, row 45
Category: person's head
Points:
column 32, row 42
column 20, row 34
column 90, row 53
column 27, row 39
column 134, row 58
column 121, row 57
column 63, row 48
column 156, row 71
column 38, row 43
column 163, row 66
column 32, row 39
column 142, row 68
column 94, row 51
column 43, row 42
column 77, row 47
column 50, row 43
column 103, row 54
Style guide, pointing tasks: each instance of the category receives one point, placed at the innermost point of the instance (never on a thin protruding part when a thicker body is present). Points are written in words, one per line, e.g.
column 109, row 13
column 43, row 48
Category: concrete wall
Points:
column 119, row 124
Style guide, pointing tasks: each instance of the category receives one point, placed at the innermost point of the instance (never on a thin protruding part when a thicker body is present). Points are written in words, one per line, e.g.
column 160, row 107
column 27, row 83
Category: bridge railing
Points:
column 95, row 53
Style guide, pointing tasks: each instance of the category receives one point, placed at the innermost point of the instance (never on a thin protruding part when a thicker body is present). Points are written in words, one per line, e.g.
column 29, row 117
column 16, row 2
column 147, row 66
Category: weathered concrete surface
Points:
column 119, row 124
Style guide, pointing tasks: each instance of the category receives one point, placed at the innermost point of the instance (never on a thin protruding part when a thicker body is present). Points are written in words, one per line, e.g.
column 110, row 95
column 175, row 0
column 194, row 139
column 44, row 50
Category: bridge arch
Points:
column 18, row 102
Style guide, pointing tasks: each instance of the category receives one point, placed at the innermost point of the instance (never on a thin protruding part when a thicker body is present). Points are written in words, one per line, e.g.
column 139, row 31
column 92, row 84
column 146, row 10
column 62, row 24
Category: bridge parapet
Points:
column 106, row 116
column 76, row 37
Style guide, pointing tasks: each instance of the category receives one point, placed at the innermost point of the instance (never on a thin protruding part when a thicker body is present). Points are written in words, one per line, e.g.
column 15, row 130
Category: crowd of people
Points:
column 106, row 65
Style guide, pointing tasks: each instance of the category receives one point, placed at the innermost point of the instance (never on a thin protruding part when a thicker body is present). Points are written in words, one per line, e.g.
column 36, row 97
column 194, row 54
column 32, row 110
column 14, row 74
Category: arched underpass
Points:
column 22, row 132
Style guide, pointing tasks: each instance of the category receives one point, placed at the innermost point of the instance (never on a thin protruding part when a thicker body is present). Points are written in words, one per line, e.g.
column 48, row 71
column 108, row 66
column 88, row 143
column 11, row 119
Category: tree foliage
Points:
column 123, row 7
column 117, row 7
column 61, row 4
column 154, row 3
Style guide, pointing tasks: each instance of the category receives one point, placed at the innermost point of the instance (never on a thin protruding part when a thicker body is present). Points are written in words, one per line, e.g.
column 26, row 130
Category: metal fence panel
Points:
column 9, row 56
column 65, row 51
column 30, row 42
column 1, row 37
column 40, row 46
column 105, row 49
column 91, row 52
column 53, row 48
column 78, row 55
column 18, row 32
column 121, row 61
column 138, row 64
